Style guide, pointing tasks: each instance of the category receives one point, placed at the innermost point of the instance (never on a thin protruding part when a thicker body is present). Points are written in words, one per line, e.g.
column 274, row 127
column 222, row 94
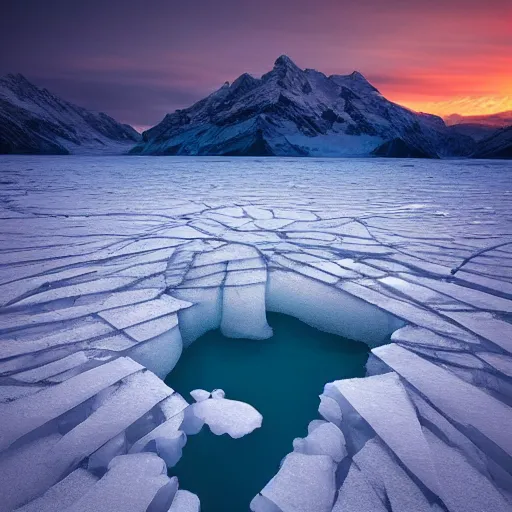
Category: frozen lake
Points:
column 110, row 266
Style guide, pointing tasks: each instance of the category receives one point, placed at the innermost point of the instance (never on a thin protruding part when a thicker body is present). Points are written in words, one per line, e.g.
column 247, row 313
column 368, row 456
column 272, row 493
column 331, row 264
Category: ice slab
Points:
column 22, row 416
column 464, row 488
column 341, row 313
column 391, row 483
column 127, row 316
column 357, row 495
column 42, row 373
column 324, row 439
column 373, row 398
column 131, row 484
column 465, row 404
column 200, row 394
column 185, row 501
column 161, row 352
column 63, row 494
column 304, row 483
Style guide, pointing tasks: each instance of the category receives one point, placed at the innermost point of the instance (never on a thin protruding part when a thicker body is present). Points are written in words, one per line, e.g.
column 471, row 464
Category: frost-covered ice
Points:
column 222, row 415
column 110, row 267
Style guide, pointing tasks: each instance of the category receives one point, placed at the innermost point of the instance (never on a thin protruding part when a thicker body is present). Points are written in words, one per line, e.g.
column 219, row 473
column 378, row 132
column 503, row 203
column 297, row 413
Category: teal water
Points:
column 281, row 377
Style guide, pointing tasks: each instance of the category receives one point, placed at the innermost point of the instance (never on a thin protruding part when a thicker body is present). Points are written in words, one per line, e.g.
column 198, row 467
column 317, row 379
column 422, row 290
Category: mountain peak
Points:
column 356, row 75
column 286, row 72
column 359, row 77
column 356, row 80
column 17, row 78
column 285, row 62
column 20, row 85
column 244, row 82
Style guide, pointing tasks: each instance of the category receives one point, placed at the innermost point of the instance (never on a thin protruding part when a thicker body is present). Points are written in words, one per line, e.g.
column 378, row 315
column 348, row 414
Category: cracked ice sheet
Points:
column 74, row 249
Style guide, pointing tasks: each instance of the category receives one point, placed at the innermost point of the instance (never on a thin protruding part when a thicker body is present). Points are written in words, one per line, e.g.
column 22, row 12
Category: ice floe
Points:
column 222, row 415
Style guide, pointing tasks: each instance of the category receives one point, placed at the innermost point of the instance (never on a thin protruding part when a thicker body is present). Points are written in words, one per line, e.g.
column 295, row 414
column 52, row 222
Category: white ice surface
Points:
column 372, row 398
column 185, row 501
column 324, row 439
column 225, row 416
column 304, row 483
column 109, row 265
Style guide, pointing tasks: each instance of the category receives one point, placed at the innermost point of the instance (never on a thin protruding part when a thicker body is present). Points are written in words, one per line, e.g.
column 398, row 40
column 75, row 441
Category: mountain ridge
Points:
column 295, row 112
column 496, row 120
column 498, row 145
column 35, row 121
column 479, row 127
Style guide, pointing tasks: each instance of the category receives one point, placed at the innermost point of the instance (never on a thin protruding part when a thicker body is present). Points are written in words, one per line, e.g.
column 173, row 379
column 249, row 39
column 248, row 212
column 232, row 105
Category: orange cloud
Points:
column 466, row 106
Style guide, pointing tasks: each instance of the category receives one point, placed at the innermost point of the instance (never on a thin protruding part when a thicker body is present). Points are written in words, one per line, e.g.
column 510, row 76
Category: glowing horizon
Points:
column 463, row 106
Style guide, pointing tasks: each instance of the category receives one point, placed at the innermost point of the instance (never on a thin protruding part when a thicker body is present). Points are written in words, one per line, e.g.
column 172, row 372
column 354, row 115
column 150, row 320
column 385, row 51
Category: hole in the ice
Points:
column 282, row 377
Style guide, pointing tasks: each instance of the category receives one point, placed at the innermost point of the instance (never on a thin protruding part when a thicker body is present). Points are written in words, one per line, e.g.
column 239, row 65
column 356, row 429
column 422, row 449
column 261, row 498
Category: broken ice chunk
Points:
column 200, row 394
column 324, row 439
column 223, row 416
column 165, row 442
column 373, row 398
column 357, row 495
column 63, row 494
column 390, row 480
column 134, row 314
column 55, row 367
column 304, row 483
column 464, row 489
column 112, row 448
column 133, row 483
column 330, row 409
column 161, row 353
column 465, row 404
column 191, row 424
column 56, row 400
column 243, row 308
column 341, row 313
column 185, row 501
column 218, row 393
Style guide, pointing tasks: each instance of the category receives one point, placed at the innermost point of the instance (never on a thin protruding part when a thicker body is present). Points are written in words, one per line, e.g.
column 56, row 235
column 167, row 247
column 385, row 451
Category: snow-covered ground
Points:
column 110, row 265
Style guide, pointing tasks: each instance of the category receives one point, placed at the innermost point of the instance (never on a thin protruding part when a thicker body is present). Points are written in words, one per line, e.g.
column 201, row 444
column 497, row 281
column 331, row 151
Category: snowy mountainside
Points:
column 295, row 112
column 33, row 120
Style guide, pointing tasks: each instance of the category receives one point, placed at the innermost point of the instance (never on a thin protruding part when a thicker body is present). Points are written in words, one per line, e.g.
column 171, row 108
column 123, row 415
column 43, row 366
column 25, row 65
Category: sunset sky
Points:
column 138, row 60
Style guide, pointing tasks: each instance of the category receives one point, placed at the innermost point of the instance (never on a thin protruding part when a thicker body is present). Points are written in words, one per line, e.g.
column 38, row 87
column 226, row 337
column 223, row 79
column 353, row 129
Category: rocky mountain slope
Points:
column 34, row 121
column 295, row 112
column 476, row 131
column 498, row 145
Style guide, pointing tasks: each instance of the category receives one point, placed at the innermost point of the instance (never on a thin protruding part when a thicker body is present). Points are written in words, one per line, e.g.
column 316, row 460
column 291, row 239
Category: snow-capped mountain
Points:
column 295, row 112
column 498, row 145
column 33, row 120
